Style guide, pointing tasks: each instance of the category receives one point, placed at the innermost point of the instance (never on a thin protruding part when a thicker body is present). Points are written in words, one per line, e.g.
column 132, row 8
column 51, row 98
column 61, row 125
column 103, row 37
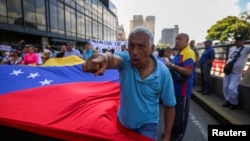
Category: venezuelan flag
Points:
column 60, row 101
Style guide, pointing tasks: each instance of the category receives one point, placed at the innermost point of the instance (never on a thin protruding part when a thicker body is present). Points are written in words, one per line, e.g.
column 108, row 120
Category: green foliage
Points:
column 225, row 29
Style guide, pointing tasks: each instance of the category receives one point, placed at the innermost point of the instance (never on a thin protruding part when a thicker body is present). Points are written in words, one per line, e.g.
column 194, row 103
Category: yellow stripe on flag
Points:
column 64, row 61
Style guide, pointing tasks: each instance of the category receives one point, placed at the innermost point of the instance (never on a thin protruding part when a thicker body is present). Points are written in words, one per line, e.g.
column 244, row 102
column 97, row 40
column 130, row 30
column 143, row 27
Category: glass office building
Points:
column 53, row 22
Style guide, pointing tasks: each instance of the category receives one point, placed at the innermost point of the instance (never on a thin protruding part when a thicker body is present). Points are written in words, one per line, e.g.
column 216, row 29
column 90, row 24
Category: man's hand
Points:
column 96, row 64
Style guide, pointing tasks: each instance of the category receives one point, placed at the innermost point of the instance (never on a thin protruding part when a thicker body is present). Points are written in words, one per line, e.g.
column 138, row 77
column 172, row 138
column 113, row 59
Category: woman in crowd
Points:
column 15, row 58
column 30, row 58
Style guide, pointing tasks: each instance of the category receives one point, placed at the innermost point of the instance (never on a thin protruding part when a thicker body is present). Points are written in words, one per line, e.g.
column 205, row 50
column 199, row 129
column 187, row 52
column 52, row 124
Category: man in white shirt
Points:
column 231, row 81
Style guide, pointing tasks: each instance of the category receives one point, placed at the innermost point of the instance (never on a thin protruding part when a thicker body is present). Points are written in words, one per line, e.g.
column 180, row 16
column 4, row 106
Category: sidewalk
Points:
column 212, row 104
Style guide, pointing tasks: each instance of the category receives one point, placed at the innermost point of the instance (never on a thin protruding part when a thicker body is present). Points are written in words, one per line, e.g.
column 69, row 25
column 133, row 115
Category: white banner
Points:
column 101, row 44
column 5, row 48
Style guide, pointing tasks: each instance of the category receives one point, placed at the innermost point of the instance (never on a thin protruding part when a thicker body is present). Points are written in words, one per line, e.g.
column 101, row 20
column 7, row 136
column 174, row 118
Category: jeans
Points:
column 150, row 130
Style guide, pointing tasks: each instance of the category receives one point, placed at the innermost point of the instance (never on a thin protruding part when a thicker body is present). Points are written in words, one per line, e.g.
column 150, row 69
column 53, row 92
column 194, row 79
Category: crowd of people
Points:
column 31, row 55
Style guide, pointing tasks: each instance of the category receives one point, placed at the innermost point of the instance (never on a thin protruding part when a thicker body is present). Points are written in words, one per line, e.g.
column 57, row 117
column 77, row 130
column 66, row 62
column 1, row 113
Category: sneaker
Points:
column 201, row 91
column 226, row 104
column 233, row 107
column 207, row 92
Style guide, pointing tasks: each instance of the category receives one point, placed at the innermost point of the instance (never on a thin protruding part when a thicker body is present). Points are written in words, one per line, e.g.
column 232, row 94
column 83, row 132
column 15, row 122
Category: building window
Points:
column 57, row 17
column 70, row 19
column 53, row 18
column 34, row 14
column 61, row 25
column 88, row 28
column 80, row 25
column 100, row 31
column 3, row 11
column 40, row 14
column 95, row 35
column 14, row 12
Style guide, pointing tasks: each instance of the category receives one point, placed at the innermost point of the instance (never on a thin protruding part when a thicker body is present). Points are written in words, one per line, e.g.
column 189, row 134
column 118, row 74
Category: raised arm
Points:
column 98, row 63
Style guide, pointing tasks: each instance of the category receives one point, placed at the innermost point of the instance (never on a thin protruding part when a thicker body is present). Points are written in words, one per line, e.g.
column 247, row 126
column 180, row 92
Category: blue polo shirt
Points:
column 185, row 58
column 207, row 54
column 139, row 102
column 87, row 53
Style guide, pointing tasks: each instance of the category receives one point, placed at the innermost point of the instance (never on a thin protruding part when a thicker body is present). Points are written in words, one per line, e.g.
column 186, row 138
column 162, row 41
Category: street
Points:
column 197, row 124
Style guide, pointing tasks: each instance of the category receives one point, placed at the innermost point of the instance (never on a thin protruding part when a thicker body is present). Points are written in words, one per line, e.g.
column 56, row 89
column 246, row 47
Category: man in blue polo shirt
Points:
column 205, row 63
column 145, row 82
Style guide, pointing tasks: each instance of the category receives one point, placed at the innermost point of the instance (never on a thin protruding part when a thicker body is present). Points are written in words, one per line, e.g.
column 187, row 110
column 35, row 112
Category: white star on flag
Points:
column 45, row 82
column 16, row 72
column 33, row 75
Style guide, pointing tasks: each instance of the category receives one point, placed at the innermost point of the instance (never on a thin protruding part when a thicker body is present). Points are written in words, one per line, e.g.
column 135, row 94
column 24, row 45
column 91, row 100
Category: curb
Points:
column 217, row 112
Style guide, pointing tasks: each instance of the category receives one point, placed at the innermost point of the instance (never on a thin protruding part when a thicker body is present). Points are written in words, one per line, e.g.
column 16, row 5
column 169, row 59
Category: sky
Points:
column 193, row 17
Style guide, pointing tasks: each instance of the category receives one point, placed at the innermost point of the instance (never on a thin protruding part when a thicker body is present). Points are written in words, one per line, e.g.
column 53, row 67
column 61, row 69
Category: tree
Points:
column 225, row 29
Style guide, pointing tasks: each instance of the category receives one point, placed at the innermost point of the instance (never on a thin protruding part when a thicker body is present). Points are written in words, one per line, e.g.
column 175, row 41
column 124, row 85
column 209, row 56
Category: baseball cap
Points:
column 238, row 37
column 15, row 50
column 208, row 41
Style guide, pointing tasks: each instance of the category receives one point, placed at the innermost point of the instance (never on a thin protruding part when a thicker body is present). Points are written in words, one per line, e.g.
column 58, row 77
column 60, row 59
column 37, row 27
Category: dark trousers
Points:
column 205, row 78
column 181, row 117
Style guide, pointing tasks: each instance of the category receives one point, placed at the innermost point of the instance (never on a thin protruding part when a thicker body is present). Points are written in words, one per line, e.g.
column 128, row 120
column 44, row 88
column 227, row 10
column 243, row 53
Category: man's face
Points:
column 123, row 47
column 69, row 46
column 192, row 43
column 207, row 44
column 181, row 41
column 239, row 42
column 63, row 48
column 87, row 46
column 139, row 49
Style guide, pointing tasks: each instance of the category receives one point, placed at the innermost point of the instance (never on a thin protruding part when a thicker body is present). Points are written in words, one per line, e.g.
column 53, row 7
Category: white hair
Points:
column 146, row 31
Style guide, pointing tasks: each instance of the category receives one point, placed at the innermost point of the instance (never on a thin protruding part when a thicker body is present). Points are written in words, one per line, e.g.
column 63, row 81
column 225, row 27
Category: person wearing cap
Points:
column 231, row 81
column 205, row 64
column 15, row 58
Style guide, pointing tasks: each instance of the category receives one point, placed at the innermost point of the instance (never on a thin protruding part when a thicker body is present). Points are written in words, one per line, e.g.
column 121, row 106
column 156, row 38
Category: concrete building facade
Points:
column 168, row 35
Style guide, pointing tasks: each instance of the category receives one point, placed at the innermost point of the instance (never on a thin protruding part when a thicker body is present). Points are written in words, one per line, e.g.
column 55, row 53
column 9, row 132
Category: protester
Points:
column 196, row 52
column 70, row 50
column 144, row 82
column 5, row 57
column 231, row 81
column 123, row 47
column 174, row 53
column 88, row 51
column 62, row 51
column 205, row 64
column 197, row 56
column 30, row 58
column 183, row 63
column 167, row 54
column 15, row 58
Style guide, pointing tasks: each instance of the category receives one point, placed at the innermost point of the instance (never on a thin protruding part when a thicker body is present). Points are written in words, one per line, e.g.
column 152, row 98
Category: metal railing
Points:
column 221, row 56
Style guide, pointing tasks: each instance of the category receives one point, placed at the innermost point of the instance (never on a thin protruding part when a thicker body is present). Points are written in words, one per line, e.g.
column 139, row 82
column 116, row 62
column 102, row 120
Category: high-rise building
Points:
column 53, row 22
column 138, row 20
column 150, row 23
column 168, row 35
column 121, row 36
